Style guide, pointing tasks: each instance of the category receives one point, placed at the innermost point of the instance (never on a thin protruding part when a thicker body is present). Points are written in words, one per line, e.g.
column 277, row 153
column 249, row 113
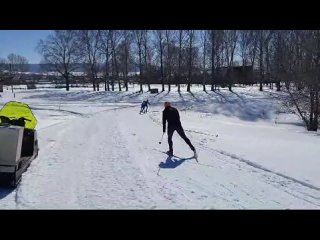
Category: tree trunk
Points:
column 106, row 86
column 112, row 82
column 168, row 62
column 261, row 64
column 316, row 111
column 117, row 73
column 204, row 63
column 112, row 73
column 93, row 85
column 161, row 65
column 190, row 64
column 311, row 124
column 140, row 67
column 126, row 82
column 149, row 87
column 179, row 60
column 67, row 82
column 212, row 60
column 146, row 64
column 126, row 70
column 97, row 81
column 119, row 83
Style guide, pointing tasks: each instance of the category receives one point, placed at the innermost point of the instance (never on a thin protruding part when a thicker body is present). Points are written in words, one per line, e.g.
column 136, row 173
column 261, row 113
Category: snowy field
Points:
column 98, row 152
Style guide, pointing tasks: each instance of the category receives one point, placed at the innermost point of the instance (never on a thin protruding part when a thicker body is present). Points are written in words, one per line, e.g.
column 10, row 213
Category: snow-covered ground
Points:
column 98, row 152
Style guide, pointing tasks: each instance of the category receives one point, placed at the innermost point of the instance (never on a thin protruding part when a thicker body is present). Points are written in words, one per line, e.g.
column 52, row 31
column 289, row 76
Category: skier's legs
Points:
column 180, row 131
column 170, row 134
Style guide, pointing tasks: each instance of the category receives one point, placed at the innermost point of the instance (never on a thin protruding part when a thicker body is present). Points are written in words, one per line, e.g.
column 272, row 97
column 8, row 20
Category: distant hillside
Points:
column 40, row 68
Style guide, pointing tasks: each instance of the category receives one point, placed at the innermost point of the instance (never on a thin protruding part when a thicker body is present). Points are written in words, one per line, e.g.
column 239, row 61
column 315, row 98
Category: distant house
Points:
column 235, row 74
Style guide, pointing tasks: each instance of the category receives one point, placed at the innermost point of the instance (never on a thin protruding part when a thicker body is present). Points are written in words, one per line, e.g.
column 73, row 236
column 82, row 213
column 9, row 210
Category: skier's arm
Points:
column 164, row 121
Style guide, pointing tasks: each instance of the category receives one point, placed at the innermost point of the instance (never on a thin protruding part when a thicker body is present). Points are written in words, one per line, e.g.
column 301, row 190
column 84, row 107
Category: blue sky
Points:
column 22, row 42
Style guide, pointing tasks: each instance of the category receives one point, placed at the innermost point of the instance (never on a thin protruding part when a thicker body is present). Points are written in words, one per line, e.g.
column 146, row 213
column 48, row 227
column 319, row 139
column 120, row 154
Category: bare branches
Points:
column 60, row 51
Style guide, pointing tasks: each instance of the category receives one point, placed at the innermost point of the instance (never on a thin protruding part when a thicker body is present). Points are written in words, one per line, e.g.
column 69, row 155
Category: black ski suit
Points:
column 171, row 115
column 146, row 103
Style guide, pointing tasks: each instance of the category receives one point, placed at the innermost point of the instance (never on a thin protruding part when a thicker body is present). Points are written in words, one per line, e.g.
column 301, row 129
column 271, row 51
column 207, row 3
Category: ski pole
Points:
column 161, row 139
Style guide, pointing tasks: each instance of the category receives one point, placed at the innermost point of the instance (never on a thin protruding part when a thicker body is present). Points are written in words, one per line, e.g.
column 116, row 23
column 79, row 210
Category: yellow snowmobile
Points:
column 18, row 141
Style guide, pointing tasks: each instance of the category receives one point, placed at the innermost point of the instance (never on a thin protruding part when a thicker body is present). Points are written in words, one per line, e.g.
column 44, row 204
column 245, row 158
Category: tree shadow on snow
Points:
column 160, row 99
column 192, row 94
column 240, row 97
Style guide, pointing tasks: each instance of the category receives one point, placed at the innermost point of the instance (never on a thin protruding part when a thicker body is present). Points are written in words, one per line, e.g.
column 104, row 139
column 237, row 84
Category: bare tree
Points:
column 17, row 63
column 213, row 52
column 181, row 44
column 105, row 50
column 267, row 46
column 261, row 66
column 230, row 41
column 277, row 56
column 253, row 47
column 300, row 70
column 127, row 37
column 191, row 36
column 138, row 36
column 245, row 41
column 124, row 57
column 160, row 46
column 145, row 54
column 264, row 38
column 89, row 44
column 3, row 66
column 217, row 47
column 14, row 65
column 116, row 37
column 204, row 40
column 169, row 66
column 60, row 50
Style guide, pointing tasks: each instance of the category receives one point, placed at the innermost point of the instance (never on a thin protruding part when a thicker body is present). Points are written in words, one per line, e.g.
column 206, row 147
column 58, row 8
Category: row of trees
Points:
column 14, row 63
column 11, row 67
column 179, row 56
column 163, row 56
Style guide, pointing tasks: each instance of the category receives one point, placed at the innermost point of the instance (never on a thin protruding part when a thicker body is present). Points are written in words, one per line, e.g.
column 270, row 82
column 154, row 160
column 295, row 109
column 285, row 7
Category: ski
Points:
column 193, row 157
